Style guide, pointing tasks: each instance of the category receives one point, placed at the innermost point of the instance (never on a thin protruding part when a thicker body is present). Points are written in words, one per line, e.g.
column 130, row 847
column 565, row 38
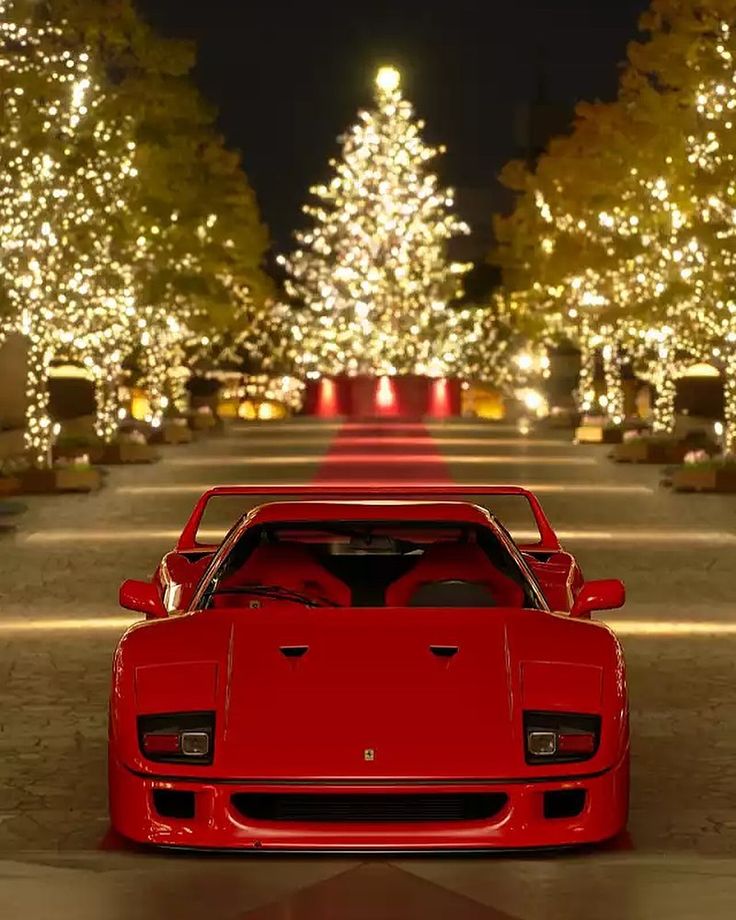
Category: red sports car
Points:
column 369, row 669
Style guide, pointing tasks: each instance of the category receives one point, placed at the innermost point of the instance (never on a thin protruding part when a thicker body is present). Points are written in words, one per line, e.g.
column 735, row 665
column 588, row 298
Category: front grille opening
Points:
column 378, row 808
column 565, row 803
column 170, row 803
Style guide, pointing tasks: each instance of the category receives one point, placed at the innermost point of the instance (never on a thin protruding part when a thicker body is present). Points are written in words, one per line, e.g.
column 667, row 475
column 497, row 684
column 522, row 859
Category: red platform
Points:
column 383, row 397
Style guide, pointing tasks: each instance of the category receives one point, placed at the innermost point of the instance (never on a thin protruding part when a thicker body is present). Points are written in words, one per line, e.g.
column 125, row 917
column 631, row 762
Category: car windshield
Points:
column 372, row 564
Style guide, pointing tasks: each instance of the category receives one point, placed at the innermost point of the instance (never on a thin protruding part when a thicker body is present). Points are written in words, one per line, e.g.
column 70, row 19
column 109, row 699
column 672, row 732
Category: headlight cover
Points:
column 179, row 737
column 560, row 737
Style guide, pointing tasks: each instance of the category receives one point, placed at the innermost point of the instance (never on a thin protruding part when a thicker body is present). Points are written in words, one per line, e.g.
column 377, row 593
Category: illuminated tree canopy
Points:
column 125, row 224
column 624, row 237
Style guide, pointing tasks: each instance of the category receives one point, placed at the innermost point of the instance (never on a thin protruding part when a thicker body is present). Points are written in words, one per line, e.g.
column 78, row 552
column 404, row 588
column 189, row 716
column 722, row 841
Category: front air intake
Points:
column 564, row 803
column 378, row 808
column 174, row 803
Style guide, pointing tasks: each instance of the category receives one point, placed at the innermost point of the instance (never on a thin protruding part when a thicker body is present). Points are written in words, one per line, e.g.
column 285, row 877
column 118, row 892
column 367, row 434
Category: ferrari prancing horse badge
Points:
column 369, row 755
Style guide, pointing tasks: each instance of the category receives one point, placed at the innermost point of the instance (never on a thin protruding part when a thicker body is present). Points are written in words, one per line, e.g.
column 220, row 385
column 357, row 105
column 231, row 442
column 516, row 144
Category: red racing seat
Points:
column 450, row 562
column 293, row 567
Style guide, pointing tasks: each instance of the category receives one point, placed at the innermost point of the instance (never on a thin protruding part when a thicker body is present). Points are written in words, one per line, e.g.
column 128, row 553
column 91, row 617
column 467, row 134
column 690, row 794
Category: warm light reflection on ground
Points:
column 623, row 628
column 102, row 536
column 652, row 537
column 582, row 488
column 669, row 628
column 318, row 425
column 69, row 624
column 370, row 458
column 309, row 440
column 664, row 537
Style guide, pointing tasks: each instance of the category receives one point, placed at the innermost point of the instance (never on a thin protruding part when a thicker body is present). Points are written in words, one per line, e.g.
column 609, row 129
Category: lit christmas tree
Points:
column 372, row 273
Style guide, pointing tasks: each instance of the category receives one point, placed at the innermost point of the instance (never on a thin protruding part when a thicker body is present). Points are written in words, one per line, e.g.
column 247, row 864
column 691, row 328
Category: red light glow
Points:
column 327, row 399
column 440, row 404
column 583, row 743
column 387, row 402
column 161, row 744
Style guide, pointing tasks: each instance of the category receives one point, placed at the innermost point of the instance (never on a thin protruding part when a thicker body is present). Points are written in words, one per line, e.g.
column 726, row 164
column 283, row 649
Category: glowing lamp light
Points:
column 701, row 370
column 327, row 402
column 247, row 411
column 535, row 402
column 439, row 405
column 388, row 79
column 386, row 397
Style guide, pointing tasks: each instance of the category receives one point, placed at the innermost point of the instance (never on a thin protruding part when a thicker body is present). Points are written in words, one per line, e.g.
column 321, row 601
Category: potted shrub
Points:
column 10, row 468
column 202, row 419
column 74, row 474
column 703, row 473
column 661, row 448
column 69, row 446
column 174, row 429
column 130, row 447
column 598, row 429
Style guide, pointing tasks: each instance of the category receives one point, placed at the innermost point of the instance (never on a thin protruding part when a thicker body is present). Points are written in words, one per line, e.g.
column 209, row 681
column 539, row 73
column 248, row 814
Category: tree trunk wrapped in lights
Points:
column 372, row 272
column 38, row 422
column 614, row 395
column 585, row 391
column 662, row 376
column 729, row 375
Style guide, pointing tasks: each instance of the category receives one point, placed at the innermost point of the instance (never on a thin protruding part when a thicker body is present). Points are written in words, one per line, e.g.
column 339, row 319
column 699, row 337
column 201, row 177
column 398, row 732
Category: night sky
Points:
column 288, row 78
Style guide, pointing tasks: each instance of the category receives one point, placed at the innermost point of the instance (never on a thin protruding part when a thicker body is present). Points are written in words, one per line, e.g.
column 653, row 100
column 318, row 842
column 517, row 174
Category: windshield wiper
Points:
column 278, row 593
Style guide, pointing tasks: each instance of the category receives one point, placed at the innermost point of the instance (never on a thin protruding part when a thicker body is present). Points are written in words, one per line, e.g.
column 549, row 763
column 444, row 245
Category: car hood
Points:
column 370, row 693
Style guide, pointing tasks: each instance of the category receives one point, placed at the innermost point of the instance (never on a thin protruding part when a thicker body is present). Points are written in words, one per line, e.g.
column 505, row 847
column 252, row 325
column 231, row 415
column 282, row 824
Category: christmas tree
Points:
column 372, row 273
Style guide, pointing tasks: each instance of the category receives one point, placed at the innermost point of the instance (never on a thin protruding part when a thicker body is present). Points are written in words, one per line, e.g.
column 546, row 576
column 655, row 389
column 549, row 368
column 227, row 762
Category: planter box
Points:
column 173, row 434
column 704, row 479
column 124, row 453
column 598, row 434
column 37, row 482
column 650, row 451
column 82, row 427
column 202, row 421
column 93, row 451
column 12, row 443
column 561, row 422
column 9, row 485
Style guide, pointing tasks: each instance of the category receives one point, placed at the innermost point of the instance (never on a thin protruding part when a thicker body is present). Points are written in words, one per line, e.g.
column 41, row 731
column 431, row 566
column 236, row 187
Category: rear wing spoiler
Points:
column 547, row 543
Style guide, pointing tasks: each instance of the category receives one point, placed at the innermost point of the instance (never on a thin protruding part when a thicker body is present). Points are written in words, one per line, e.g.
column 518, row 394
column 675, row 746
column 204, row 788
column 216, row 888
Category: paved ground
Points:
column 59, row 623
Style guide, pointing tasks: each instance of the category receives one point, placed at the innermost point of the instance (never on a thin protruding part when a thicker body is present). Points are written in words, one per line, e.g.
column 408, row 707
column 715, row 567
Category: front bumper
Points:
column 217, row 824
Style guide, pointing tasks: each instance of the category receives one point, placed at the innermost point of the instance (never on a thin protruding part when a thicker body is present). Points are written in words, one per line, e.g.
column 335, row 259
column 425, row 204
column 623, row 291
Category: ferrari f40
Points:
column 355, row 669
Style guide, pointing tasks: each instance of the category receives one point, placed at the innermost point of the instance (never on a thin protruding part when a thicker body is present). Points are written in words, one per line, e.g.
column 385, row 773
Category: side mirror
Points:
column 179, row 577
column 143, row 597
column 608, row 594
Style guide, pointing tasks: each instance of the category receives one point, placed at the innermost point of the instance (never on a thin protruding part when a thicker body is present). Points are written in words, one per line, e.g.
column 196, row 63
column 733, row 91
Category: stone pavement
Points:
column 59, row 623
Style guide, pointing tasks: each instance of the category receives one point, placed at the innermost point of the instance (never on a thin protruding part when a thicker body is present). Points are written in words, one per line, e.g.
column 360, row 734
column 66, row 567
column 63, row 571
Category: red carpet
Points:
column 369, row 453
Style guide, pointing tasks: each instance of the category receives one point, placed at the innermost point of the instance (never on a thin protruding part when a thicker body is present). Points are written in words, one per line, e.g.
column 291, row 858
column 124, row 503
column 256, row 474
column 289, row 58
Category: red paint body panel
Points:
column 176, row 687
column 367, row 681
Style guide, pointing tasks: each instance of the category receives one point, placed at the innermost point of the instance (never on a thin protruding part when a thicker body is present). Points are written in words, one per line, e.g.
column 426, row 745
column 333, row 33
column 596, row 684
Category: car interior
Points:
column 371, row 564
